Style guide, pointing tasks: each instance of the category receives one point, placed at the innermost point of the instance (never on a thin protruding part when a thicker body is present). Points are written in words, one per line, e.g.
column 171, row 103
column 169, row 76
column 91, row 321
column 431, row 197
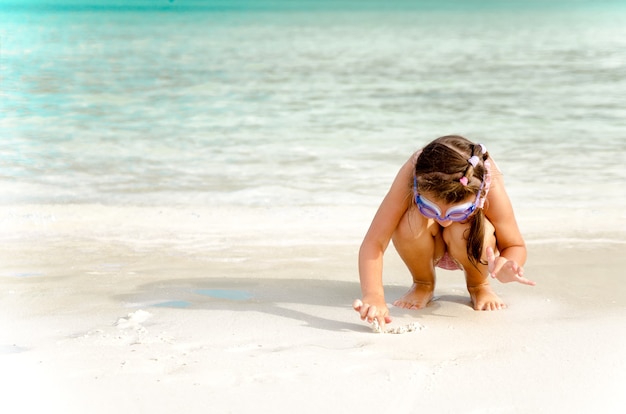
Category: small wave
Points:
column 576, row 240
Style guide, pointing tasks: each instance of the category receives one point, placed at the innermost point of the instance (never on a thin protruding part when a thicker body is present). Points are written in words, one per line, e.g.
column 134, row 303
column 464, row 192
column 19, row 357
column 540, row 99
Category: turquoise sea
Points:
column 288, row 104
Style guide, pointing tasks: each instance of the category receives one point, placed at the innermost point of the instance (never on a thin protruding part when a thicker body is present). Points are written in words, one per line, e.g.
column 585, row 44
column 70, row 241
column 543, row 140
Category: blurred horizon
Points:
column 251, row 5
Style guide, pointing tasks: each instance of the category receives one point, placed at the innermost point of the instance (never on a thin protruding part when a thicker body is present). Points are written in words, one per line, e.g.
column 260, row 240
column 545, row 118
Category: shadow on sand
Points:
column 272, row 296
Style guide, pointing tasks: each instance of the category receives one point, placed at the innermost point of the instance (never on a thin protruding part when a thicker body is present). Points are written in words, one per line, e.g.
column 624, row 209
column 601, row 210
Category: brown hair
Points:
column 439, row 170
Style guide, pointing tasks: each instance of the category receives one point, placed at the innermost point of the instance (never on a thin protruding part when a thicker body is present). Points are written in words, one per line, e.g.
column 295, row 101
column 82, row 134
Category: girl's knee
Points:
column 411, row 227
column 454, row 236
column 414, row 231
column 418, row 241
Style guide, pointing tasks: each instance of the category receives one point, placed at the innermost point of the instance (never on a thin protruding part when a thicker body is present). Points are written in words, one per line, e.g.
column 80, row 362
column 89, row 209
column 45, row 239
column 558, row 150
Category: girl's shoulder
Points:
column 496, row 178
column 496, row 196
column 415, row 156
column 494, row 166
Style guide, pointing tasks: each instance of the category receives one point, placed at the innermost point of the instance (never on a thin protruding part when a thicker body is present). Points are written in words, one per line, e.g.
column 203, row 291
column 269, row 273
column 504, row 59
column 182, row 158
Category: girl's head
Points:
column 451, row 170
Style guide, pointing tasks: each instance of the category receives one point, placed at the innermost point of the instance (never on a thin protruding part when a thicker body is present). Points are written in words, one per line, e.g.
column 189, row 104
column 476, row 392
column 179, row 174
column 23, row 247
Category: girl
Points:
column 447, row 207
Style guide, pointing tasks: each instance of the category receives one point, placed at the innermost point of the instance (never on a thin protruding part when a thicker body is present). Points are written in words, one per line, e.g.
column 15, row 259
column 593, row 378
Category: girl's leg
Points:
column 476, row 277
column 418, row 242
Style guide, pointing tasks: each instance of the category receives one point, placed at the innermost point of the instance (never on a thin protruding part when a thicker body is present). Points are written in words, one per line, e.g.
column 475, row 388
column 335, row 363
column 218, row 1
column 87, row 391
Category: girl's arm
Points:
column 508, row 266
column 376, row 240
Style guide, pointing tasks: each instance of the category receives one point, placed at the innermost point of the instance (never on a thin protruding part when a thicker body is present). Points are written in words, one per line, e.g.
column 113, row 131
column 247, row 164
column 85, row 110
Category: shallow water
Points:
column 266, row 108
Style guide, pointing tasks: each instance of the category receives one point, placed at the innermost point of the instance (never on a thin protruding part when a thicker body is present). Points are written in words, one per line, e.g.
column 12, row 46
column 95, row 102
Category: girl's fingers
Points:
column 363, row 310
column 382, row 322
column 525, row 281
column 371, row 313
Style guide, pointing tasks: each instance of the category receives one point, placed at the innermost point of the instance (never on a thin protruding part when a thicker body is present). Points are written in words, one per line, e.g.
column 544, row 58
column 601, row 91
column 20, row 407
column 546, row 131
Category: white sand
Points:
column 106, row 309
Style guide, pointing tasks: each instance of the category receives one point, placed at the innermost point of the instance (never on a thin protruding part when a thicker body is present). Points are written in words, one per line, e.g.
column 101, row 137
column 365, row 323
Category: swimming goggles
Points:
column 431, row 210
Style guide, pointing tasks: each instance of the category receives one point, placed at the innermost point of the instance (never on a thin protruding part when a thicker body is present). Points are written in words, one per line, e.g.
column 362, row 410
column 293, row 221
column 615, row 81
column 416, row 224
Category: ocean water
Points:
column 262, row 104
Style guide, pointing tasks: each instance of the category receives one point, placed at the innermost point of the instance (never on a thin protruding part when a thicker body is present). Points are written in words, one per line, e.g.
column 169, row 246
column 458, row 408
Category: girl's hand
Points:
column 506, row 270
column 370, row 310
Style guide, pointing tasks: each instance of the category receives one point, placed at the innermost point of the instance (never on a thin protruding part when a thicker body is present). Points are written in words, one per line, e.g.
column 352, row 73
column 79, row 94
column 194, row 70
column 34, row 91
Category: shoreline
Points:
column 322, row 223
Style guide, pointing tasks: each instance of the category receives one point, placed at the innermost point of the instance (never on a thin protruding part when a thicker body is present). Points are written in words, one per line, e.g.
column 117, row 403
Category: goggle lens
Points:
column 431, row 211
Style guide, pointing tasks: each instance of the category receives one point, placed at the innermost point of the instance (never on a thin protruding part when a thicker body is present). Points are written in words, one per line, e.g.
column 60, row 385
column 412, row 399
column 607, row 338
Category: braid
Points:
column 476, row 156
column 475, row 238
column 477, row 230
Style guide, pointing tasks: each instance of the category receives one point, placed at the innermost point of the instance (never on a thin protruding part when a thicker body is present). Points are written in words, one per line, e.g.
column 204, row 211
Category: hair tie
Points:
column 463, row 180
column 483, row 148
column 473, row 160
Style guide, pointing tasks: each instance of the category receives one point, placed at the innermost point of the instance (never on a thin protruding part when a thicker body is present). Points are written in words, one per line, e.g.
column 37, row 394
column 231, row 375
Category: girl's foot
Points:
column 484, row 298
column 417, row 297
